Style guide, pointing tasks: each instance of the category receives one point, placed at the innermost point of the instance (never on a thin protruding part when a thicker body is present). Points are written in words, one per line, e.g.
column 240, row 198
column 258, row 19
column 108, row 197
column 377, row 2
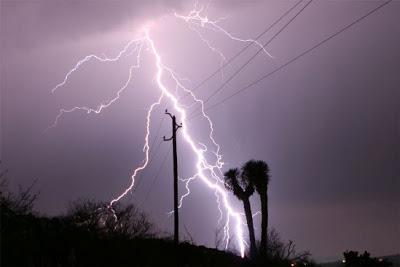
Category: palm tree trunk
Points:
column 249, row 219
column 264, row 223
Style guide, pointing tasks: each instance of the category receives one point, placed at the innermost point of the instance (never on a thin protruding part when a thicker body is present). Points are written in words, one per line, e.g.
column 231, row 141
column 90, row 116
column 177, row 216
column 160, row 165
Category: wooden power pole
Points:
column 175, row 127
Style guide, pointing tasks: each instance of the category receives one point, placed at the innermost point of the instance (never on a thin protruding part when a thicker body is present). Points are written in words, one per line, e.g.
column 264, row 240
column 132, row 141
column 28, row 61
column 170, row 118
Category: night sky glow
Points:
column 328, row 125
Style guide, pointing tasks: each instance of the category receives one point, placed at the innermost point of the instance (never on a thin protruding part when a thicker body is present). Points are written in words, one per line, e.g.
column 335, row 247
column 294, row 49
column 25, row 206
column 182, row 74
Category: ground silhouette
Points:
column 91, row 233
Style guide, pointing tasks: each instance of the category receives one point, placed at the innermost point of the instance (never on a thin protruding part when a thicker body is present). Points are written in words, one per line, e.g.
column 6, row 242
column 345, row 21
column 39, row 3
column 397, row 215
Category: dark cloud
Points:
column 28, row 23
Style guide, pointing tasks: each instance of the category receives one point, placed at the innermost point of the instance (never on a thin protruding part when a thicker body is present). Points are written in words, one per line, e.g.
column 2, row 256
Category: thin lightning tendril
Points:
column 195, row 18
column 101, row 59
column 209, row 173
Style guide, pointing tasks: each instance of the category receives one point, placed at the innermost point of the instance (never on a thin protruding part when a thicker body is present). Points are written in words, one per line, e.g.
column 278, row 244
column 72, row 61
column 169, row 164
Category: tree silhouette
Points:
column 242, row 189
column 257, row 172
column 354, row 259
column 126, row 220
column 88, row 235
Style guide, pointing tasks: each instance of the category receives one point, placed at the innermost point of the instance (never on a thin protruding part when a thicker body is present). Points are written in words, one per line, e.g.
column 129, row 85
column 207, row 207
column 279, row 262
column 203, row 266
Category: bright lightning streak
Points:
column 99, row 108
column 201, row 163
column 101, row 59
column 208, row 173
column 146, row 149
column 218, row 164
column 187, row 181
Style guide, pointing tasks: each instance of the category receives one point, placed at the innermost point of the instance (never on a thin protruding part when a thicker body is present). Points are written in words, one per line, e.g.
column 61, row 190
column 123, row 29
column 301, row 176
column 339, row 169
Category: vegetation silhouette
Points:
column 91, row 234
column 257, row 172
column 281, row 253
column 255, row 175
column 125, row 221
column 353, row 259
column 31, row 240
column 242, row 188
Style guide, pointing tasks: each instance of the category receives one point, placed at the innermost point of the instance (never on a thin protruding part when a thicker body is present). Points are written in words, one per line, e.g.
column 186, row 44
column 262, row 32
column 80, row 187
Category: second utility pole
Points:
column 175, row 127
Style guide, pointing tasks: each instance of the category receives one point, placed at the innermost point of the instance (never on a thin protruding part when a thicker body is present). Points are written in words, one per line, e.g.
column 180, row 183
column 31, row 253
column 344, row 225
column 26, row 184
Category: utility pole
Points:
column 175, row 127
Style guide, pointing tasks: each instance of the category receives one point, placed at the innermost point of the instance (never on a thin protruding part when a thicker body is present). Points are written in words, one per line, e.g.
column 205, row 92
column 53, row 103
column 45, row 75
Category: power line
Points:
column 150, row 153
column 156, row 177
column 245, row 47
column 218, row 70
column 156, row 136
column 294, row 59
column 253, row 56
column 141, row 174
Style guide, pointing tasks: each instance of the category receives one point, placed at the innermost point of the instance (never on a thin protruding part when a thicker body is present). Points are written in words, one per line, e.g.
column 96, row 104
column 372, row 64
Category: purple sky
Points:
column 328, row 125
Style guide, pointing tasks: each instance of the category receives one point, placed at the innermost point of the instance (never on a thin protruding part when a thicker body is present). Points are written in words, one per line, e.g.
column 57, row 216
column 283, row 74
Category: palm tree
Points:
column 242, row 189
column 257, row 172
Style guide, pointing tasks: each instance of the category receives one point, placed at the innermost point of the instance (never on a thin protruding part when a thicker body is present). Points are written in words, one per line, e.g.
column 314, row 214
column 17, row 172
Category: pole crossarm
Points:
column 167, row 139
column 176, row 126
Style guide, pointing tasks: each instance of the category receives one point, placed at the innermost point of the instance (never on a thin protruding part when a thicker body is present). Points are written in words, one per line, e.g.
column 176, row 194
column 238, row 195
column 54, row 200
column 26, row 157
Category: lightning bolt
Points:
column 209, row 173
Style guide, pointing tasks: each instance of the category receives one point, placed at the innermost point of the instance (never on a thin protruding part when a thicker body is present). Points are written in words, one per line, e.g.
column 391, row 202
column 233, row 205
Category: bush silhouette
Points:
column 124, row 221
column 88, row 235
column 92, row 234
column 353, row 259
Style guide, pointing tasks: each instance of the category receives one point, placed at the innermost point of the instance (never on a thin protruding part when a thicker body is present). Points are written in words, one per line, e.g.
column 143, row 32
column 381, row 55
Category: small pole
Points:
column 175, row 127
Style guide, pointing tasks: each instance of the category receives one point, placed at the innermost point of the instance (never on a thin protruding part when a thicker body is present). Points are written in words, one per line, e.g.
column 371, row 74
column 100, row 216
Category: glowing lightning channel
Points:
column 138, row 49
column 202, row 165
column 218, row 164
column 146, row 149
column 101, row 59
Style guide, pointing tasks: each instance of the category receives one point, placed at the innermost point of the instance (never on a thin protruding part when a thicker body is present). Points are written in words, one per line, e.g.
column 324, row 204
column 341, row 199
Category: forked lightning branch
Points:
column 209, row 171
